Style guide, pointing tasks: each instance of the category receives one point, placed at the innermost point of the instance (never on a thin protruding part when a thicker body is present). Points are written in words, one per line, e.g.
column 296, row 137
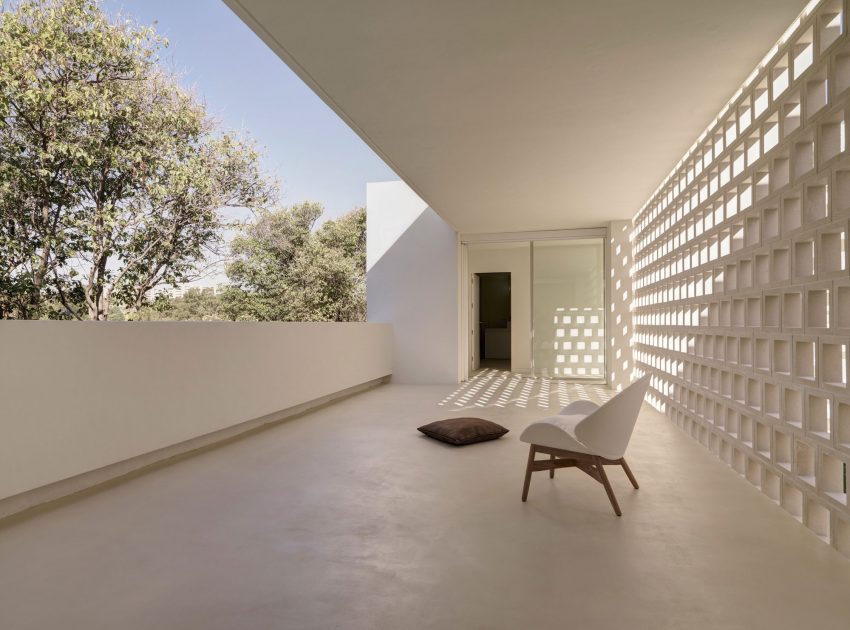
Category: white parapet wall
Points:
column 78, row 397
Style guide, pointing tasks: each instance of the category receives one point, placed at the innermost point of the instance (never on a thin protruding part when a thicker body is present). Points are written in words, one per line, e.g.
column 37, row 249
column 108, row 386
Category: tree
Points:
column 111, row 174
column 194, row 305
column 283, row 270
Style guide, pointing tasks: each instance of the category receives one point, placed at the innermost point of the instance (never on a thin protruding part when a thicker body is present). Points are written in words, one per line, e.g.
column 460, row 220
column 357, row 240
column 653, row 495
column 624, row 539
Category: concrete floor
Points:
column 349, row 518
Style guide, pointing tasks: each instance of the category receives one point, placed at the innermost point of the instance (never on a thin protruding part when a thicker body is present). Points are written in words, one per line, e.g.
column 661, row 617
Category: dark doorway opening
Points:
column 494, row 341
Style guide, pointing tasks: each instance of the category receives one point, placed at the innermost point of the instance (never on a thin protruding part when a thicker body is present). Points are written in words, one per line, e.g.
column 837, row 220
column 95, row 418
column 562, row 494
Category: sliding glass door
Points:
column 568, row 306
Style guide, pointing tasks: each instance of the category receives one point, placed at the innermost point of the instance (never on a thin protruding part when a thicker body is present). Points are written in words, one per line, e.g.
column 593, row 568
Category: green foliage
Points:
column 285, row 271
column 194, row 305
column 111, row 175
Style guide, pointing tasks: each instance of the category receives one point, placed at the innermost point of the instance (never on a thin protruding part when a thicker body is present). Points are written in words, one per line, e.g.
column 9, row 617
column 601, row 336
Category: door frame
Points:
column 464, row 240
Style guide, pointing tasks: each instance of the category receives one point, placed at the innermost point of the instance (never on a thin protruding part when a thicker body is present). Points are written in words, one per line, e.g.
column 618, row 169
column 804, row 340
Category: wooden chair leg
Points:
column 629, row 473
column 552, row 470
column 604, row 479
column 531, row 451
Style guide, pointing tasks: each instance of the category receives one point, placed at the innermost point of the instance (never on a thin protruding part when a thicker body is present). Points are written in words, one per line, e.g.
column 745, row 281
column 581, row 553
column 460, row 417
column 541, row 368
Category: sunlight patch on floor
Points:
column 498, row 388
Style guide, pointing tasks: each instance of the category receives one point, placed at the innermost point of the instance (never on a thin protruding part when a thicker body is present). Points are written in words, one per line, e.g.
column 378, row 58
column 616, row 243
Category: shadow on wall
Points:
column 413, row 286
column 496, row 388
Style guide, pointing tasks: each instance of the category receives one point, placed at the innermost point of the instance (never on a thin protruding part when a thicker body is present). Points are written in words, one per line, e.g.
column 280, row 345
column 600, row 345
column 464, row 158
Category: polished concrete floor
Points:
column 348, row 518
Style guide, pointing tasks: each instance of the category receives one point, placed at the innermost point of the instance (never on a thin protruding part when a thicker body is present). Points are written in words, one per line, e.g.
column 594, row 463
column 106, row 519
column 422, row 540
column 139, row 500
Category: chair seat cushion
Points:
column 555, row 432
column 462, row 431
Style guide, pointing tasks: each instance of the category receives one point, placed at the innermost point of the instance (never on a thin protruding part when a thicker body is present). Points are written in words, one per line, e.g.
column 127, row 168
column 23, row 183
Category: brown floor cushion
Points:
column 461, row 431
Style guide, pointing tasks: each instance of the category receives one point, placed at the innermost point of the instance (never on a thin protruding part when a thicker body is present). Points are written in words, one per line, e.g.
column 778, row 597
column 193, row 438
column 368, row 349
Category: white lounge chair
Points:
column 587, row 436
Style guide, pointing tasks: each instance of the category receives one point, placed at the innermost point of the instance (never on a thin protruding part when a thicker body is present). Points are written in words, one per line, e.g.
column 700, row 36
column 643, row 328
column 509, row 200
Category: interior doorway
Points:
column 493, row 341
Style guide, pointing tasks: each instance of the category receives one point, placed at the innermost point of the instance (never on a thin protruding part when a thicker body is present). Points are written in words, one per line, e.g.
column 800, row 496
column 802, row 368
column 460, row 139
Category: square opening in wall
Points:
column 730, row 127
column 841, row 192
column 761, row 98
column 791, row 115
column 726, row 452
column 819, row 416
column 754, row 472
column 753, row 148
column 817, row 202
column 780, row 77
column 739, row 313
column 763, row 439
column 803, row 157
column 730, row 278
column 834, row 363
column 754, row 388
column 737, row 237
column 792, row 407
column 842, row 423
column 739, row 462
column 752, row 231
column 782, row 357
column 792, row 310
column 746, row 435
column 761, row 269
column 754, row 312
column 816, row 94
column 817, row 308
column 803, row 53
column 725, row 313
column 732, row 350
column 739, row 392
column 792, row 215
column 745, row 115
column 745, row 273
column 772, row 404
column 745, row 351
column 770, row 133
column 782, row 449
column 805, row 362
column 805, row 462
column 804, row 259
column 792, row 500
column 761, row 188
column 832, row 138
column 771, row 485
column 780, row 264
column 772, row 312
column 841, row 312
column 842, row 536
column 833, row 251
column 739, row 161
column 817, row 519
column 731, row 424
column 830, row 23
column 781, row 173
column 834, row 478
column 770, row 223
column 842, row 72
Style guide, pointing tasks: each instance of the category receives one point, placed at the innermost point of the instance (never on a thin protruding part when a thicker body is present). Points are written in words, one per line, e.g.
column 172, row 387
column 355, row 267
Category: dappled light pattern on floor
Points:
column 497, row 388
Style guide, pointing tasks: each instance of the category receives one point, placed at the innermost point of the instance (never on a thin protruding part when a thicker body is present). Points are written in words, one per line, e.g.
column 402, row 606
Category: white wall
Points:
column 742, row 282
column 412, row 283
column 75, row 397
column 513, row 258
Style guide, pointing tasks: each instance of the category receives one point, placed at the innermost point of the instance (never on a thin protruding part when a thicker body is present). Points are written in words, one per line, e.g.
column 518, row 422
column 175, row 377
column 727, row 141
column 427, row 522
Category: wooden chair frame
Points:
column 593, row 465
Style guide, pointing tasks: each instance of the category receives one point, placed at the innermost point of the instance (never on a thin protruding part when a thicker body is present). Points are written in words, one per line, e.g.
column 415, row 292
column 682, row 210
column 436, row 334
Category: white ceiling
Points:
column 525, row 114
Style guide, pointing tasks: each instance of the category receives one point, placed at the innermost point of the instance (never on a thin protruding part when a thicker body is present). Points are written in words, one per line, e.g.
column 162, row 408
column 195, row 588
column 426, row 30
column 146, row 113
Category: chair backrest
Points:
column 607, row 430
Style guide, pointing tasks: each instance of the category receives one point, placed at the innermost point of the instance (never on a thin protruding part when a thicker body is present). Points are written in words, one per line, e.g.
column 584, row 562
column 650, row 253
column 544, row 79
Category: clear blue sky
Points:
column 309, row 149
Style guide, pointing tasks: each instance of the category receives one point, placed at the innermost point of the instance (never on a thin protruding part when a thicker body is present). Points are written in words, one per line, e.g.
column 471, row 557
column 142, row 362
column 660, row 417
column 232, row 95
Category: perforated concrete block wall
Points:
column 741, row 282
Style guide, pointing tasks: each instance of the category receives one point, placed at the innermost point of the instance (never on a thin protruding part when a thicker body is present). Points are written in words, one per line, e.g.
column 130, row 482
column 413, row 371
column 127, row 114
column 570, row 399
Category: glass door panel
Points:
column 568, row 305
